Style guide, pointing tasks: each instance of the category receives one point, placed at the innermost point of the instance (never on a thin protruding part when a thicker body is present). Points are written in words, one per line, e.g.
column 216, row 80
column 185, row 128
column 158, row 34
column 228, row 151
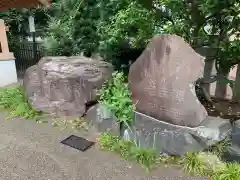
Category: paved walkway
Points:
column 31, row 151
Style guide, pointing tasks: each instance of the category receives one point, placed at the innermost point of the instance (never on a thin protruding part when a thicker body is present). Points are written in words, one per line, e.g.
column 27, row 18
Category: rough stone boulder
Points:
column 64, row 85
column 162, row 81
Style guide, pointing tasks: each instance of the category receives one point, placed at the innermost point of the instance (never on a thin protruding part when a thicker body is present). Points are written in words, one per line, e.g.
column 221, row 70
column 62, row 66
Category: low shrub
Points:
column 13, row 100
column 116, row 96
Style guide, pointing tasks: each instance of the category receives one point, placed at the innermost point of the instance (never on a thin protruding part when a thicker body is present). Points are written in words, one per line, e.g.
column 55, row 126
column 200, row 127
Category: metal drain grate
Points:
column 77, row 143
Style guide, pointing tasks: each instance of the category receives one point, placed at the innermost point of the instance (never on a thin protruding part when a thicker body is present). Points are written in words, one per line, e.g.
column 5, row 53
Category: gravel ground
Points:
column 32, row 151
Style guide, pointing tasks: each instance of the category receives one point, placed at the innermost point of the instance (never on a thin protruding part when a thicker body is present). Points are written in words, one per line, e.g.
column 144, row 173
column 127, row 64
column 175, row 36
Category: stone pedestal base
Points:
column 103, row 119
column 171, row 139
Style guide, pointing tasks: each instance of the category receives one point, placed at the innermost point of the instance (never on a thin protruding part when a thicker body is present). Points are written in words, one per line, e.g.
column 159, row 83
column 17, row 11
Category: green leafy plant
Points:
column 14, row 100
column 230, row 172
column 116, row 96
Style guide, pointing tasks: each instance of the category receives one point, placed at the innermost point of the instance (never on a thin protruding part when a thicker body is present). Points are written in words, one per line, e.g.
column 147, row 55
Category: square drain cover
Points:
column 77, row 143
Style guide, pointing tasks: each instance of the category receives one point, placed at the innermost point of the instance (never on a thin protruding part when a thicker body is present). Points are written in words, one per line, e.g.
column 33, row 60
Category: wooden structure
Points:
column 8, row 74
column 6, row 4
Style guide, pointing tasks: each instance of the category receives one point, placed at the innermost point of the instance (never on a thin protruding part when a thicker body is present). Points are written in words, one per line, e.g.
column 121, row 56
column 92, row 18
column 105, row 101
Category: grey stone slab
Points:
column 233, row 152
column 174, row 139
column 236, row 133
column 103, row 119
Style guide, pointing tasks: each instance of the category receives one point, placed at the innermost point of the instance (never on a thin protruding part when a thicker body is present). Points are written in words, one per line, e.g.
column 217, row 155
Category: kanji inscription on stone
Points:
column 161, row 80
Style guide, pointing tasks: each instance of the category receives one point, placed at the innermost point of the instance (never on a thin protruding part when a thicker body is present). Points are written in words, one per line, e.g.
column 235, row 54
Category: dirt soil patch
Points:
column 225, row 109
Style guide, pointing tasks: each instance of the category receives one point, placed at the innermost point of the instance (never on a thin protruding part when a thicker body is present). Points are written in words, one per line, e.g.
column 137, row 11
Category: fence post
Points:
column 34, row 46
column 32, row 30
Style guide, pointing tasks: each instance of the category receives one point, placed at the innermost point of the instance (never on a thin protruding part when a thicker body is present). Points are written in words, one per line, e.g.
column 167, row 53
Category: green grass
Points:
column 147, row 158
column 13, row 100
column 193, row 164
column 108, row 142
column 230, row 172
column 220, row 147
column 203, row 163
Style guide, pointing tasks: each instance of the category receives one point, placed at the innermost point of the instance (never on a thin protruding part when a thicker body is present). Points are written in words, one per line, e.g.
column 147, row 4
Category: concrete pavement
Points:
column 32, row 151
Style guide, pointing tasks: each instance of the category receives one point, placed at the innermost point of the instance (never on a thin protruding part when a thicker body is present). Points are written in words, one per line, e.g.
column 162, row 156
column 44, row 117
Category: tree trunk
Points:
column 221, row 87
column 236, row 89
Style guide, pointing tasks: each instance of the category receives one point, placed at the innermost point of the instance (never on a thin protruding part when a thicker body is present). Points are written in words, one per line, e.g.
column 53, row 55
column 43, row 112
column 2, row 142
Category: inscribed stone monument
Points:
column 162, row 81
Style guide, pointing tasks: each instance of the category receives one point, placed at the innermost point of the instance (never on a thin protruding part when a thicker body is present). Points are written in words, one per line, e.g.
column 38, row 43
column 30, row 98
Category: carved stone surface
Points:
column 174, row 139
column 162, row 81
column 63, row 85
column 103, row 119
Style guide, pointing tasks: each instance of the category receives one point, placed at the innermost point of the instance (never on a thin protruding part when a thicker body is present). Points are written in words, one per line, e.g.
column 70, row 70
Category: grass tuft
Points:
column 230, row 172
column 124, row 148
column 14, row 101
column 147, row 158
column 193, row 164
column 108, row 142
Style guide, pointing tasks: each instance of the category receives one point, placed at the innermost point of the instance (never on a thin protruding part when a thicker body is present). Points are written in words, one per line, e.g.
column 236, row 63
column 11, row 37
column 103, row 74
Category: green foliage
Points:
column 108, row 142
column 230, row 172
column 134, row 25
column 72, row 28
column 17, row 21
column 13, row 100
column 125, row 33
column 147, row 158
column 203, row 23
column 220, row 147
column 205, row 164
column 193, row 164
column 116, row 96
column 124, row 148
column 59, row 40
column 119, row 30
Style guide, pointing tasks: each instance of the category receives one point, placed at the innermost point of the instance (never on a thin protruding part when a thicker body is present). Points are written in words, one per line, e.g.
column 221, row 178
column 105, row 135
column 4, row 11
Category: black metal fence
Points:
column 26, row 54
